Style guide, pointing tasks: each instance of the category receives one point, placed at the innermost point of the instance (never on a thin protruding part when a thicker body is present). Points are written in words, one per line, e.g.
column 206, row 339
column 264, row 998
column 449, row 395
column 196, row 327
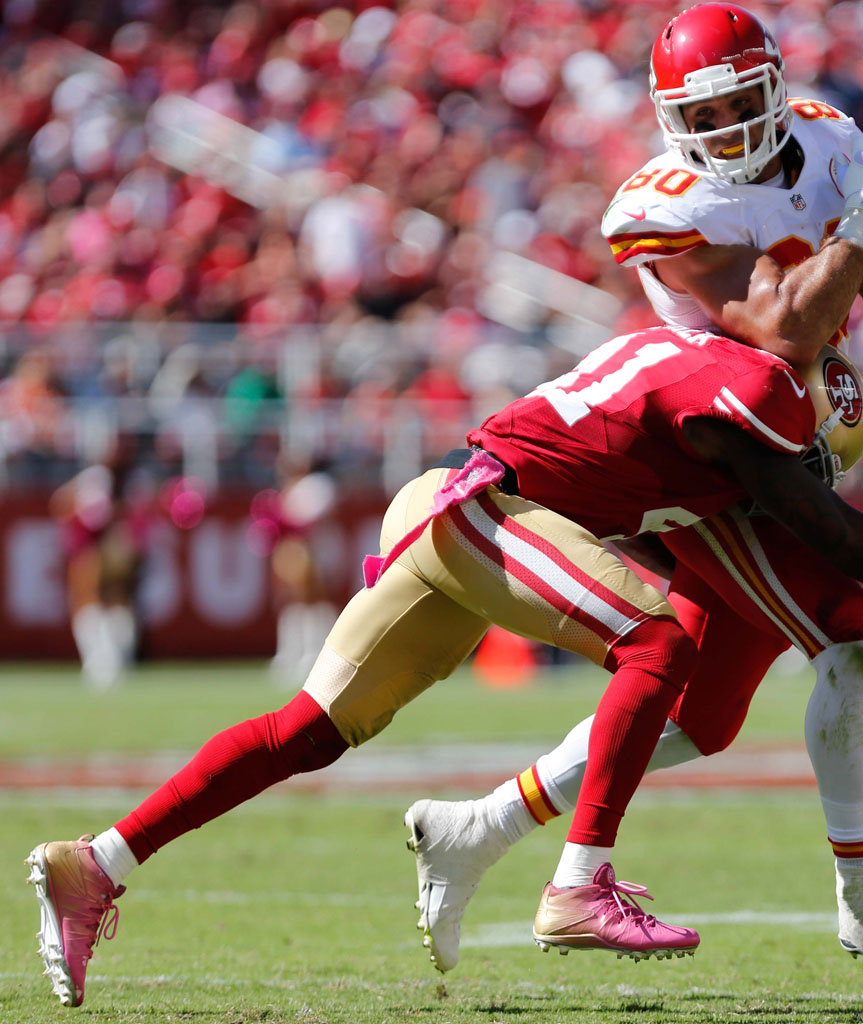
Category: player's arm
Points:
column 792, row 313
column 787, row 490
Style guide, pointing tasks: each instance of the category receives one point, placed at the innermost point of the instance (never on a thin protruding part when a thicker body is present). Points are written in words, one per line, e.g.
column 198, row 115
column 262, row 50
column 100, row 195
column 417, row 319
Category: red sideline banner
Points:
column 204, row 594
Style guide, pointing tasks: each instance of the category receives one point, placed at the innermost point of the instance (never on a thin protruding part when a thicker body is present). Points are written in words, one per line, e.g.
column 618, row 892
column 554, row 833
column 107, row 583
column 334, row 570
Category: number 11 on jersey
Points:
column 574, row 405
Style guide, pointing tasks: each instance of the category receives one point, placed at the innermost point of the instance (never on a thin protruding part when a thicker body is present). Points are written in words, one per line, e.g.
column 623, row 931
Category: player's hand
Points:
column 847, row 174
column 847, row 171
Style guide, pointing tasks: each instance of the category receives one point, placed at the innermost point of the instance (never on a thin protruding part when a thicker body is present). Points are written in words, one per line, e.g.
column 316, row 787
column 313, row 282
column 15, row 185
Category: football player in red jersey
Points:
column 750, row 224
column 651, row 430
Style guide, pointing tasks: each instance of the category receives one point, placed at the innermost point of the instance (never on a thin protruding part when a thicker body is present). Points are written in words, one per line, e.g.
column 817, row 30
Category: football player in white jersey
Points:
column 749, row 224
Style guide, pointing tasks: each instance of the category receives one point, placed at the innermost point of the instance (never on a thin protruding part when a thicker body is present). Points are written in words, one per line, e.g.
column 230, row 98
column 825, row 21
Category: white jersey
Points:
column 668, row 208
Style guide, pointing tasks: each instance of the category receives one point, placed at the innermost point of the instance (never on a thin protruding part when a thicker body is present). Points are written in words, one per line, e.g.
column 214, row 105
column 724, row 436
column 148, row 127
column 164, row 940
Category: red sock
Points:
column 627, row 725
column 234, row 766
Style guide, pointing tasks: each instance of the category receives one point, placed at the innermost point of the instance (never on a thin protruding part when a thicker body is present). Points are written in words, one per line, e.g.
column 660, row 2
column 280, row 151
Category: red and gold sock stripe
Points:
column 535, row 798
column 846, row 850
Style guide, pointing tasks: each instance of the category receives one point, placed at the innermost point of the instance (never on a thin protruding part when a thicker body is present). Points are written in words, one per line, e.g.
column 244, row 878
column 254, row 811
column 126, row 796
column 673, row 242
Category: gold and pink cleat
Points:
column 76, row 906
column 605, row 915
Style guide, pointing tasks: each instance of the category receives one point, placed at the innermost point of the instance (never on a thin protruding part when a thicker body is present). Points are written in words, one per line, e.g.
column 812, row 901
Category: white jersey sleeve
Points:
column 668, row 208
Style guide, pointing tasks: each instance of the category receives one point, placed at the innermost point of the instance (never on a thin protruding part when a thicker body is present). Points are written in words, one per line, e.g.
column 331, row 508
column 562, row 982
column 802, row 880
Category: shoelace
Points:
column 109, row 921
column 623, row 894
column 105, row 924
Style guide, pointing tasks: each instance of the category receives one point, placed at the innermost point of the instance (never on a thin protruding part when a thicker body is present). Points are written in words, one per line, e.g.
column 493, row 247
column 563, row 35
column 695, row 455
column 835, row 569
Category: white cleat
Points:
column 454, row 843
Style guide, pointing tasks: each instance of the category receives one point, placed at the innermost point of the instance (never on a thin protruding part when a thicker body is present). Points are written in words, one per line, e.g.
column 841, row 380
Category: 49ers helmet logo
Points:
column 842, row 390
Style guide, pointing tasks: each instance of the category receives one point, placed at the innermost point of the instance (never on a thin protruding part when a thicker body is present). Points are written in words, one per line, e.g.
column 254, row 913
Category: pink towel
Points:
column 478, row 472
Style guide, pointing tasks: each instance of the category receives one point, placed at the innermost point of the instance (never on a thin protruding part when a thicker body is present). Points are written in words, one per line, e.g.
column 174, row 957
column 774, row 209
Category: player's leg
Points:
column 462, row 839
column 821, row 611
column 542, row 576
column 389, row 644
column 386, row 648
column 833, row 729
column 745, row 561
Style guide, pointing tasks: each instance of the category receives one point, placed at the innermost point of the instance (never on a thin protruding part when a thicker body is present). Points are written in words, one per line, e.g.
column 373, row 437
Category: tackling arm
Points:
column 791, row 313
column 786, row 490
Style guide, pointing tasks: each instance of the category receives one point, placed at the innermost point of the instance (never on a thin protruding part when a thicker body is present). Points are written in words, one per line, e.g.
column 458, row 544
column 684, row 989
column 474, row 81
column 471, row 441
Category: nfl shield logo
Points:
column 798, row 202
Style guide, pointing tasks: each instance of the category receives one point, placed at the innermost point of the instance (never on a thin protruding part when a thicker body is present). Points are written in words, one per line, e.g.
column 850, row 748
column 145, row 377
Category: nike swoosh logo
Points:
column 635, row 216
column 800, row 392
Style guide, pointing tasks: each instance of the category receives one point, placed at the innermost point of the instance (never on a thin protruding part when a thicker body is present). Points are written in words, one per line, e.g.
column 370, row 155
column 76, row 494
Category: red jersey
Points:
column 603, row 445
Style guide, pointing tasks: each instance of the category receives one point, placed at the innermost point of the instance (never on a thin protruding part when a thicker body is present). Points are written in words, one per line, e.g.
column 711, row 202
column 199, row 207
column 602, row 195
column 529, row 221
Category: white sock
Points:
column 87, row 631
column 111, row 852
column 578, row 864
column 849, row 900
column 561, row 770
column 121, row 622
column 833, row 726
column 315, row 623
column 506, row 806
column 101, row 660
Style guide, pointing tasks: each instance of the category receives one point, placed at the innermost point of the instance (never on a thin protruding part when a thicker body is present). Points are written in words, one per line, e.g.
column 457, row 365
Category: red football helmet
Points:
column 712, row 50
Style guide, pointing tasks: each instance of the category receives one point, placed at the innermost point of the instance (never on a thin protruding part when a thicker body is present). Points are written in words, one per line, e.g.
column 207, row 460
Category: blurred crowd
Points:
column 282, row 244
column 380, row 200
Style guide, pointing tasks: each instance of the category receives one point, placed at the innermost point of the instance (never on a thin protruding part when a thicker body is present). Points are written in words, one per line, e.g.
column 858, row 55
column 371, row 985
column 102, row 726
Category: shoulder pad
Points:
column 665, row 209
column 815, row 110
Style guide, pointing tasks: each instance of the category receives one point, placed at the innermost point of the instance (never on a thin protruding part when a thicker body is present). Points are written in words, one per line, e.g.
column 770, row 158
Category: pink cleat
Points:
column 76, row 905
column 604, row 915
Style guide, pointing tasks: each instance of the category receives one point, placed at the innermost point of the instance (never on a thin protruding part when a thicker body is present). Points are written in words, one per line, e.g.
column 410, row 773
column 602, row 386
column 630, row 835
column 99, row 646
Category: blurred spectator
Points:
column 181, row 396
column 105, row 513
column 235, row 231
column 282, row 526
column 357, row 168
column 399, row 147
column 31, row 411
column 253, row 385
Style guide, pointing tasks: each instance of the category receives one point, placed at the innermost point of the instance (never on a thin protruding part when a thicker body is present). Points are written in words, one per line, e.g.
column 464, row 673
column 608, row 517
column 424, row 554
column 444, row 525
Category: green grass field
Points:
column 298, row 907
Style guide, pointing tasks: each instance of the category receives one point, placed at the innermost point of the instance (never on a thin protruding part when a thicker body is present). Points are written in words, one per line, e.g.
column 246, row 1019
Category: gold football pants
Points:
column 496, row 558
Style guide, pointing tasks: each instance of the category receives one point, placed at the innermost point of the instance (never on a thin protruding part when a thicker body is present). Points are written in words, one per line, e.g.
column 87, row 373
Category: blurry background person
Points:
column 31, row 412
column 104, row 516
column 283, row 522
column 398, row 209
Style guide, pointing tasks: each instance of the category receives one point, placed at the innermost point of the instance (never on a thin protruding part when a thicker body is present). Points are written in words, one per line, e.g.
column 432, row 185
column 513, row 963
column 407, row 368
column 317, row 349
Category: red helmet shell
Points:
column 707, row 36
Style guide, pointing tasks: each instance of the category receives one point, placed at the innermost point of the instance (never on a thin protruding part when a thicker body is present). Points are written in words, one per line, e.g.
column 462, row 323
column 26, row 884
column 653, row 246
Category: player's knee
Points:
column 307, row 740
column 659, row 646
column 712, row 733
